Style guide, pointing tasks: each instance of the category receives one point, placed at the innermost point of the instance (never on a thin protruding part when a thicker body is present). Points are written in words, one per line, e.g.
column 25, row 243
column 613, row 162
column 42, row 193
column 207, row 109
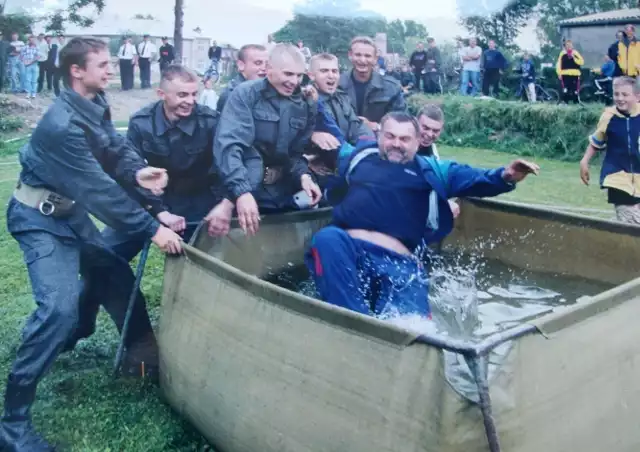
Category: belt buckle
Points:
column 271, row 175
column 46, row 208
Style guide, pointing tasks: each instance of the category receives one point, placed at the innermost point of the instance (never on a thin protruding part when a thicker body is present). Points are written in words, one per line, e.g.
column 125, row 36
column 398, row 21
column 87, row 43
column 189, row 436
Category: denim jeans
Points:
column 474, row 78
column 17, row 74
column 364, row 277
column 31, row 78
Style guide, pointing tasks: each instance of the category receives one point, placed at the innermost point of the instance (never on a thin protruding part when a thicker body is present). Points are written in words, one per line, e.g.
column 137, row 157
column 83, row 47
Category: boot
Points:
column 141, row 358
column 16, row 431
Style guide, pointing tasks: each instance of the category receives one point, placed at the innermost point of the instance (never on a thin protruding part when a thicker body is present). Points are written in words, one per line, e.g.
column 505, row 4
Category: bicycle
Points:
column 543, row 94
column 598, row 91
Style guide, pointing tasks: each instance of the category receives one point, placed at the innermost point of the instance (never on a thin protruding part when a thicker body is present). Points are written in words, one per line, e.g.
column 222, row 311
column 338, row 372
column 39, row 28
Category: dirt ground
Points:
column 123, row 104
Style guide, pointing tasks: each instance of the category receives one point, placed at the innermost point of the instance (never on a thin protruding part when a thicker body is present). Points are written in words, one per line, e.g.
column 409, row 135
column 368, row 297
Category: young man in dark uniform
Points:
column 252, row 65
column 176, row 134
column 395, row 203
column 259, row 147
column 372, row 95
column 75, row 164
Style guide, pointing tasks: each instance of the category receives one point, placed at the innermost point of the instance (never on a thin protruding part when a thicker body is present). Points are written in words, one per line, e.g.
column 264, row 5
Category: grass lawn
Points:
column 81, row 406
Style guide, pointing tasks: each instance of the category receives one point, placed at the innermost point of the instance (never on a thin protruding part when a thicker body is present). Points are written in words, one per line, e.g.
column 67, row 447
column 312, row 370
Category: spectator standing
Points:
column 306, row 53
column 15, row 64
column 29, row 57
column 471, row 56
column 432, row 68
column 568, row 69
column 614, row 51
column 146, row 51
column 57, row 74
column 4, row 54
column 418, row 61
column 167, row 55
column 127, row 55
column 528, row 77
column 215, row 55
column 44, row 45
column 493, row 62
column 629, row 52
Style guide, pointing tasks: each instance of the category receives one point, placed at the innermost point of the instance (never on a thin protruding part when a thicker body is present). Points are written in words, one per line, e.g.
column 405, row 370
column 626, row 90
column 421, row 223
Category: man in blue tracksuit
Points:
column 394, row 203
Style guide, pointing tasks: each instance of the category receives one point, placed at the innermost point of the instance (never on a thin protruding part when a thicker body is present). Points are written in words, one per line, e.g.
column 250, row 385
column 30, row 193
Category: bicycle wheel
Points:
column 549, row 95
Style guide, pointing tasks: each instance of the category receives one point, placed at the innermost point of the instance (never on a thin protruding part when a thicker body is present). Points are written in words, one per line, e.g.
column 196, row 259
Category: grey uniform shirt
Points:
column 383, row 94
column 258, row 124
column 183, row 148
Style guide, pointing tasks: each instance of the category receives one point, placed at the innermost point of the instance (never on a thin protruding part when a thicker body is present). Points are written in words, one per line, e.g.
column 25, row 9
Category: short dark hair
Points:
column 174, row 71
column 432, row 111
column 76, row 52
column 401, row 117
column 242, row 53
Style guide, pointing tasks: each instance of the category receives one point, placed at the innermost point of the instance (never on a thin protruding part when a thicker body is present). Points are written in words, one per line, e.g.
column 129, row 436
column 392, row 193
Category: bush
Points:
column 539, row 130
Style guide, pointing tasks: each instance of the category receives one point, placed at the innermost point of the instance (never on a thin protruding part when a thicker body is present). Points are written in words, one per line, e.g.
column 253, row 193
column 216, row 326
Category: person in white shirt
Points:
column 16, row 67
column 208, row 96
column 127, row 55
column 57, row 74
column 471, row 56
column 146, row 51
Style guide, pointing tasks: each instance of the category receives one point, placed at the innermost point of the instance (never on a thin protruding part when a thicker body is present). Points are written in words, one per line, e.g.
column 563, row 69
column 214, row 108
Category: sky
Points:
column 240, row 21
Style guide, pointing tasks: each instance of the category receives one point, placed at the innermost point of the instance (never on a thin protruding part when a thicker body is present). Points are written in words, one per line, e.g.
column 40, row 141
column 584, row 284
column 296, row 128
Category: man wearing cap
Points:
column 146, row 50
column 167, row 54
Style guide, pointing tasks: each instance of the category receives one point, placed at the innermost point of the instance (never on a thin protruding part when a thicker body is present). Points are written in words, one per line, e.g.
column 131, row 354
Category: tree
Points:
column 15, row 23
column 328, row 34
column 553, row 11
column 177, row 29
column 502, row 26
column 75, row 13
column 403, row 34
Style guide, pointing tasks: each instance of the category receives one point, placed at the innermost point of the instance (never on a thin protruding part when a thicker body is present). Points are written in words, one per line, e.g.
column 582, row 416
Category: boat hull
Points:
column 256, row 367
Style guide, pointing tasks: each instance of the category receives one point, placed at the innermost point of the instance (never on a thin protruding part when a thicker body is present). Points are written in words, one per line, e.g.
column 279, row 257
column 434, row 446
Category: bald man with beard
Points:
column 263, row 131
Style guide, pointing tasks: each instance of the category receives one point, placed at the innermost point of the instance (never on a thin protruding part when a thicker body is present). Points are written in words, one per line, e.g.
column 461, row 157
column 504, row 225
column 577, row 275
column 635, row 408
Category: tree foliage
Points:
column 335, row 8
column 77, row 12
column 553, row 11
column 15, row 23
column 334, row 33
column 403, row 34
column 503, row 25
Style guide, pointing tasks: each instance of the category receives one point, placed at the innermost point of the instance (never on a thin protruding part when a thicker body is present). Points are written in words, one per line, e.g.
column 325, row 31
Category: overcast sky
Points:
column 240, row 21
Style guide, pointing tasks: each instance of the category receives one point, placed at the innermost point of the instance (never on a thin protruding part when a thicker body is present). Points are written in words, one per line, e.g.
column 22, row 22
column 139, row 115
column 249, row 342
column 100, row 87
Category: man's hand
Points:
column 518, row 170
column 248, row 215
column 154, row 179
column 173, row 222
column 325, row 141
column 455, row 208
column 168, row 241
column 219, row 218
column 311, row 189
column 374, row 126
column 309, row 92
column 584, row 171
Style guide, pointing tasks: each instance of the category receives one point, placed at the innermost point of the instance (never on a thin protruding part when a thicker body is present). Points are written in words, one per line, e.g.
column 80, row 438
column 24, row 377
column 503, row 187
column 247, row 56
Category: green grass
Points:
column 81, row 406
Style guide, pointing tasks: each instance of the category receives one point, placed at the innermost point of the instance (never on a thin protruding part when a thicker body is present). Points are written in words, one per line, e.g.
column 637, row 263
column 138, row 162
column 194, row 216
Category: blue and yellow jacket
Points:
column 628, row 56
column 619, row 133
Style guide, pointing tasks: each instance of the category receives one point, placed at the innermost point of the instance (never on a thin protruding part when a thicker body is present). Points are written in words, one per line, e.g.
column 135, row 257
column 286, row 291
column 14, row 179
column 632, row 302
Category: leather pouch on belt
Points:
column 48, row 203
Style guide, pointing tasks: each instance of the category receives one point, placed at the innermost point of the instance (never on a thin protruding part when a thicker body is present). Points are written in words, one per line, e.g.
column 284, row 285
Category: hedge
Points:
column 539, row 130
